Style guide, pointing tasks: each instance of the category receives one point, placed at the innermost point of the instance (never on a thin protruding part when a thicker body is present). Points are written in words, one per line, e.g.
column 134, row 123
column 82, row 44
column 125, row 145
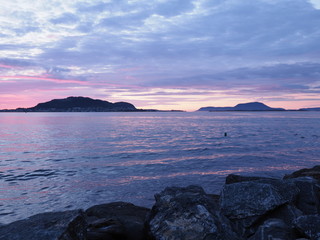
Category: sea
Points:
column 64, row 161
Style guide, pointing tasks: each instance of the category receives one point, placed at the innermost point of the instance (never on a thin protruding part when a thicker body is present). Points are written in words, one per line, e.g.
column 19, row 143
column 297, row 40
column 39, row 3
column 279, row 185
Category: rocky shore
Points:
column 253, row 208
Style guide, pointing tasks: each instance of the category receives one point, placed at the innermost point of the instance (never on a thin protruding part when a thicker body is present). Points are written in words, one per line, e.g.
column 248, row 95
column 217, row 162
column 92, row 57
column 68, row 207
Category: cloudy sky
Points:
column 164, row 54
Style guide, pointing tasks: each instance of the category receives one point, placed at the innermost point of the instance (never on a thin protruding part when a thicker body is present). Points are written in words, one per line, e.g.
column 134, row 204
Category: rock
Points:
column 255, row 198
column 103, row 229
column 308, row 199
column 248, row 204
column 306, row 172
column 118, row 220
column 187, row 213
column 309, row 226
column 250, row 225
column 273, row 229
column 233, row 178
column 68, row 225
column 287, row 213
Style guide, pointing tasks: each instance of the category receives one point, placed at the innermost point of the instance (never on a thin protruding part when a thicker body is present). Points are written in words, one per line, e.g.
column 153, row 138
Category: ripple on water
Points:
column 73, row 160
column 47, row 173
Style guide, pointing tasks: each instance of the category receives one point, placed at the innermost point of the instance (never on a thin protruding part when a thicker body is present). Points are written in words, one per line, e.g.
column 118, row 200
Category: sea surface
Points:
column 62, row 161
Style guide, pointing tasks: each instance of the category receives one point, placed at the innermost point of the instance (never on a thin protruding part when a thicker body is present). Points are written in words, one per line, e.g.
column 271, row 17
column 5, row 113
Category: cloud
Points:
column 216, row 45
column 170, row 8
column 66, row 18
column 315, row 3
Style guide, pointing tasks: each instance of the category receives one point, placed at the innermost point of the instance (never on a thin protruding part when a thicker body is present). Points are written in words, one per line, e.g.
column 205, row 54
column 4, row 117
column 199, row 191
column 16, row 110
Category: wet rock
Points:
column 187, row 213
column 233, row 178
column 309, row 226
column 68, row 225
column 255, row 198
column 308, row 199
column 118, row 220
column 273, row 229
column 306, row 172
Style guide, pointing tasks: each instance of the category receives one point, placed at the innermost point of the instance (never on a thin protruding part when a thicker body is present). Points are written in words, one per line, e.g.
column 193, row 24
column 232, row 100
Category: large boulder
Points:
column 250, row 203
column 68, row 225
column 287, row 213
column 118, row 220
column 309, row 226
column 187, row 214
column 255, row 198
column 273, row 229
column 234, row 178
column 305, row 172
column 308, row 199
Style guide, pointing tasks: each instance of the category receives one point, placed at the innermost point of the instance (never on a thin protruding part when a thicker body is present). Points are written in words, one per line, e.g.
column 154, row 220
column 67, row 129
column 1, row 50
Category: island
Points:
column 310, row 109
column 86, row 104
column 251, row 106
column 78, row 104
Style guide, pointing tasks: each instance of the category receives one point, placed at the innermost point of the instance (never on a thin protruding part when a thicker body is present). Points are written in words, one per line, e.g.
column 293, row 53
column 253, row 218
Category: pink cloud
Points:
column 57, row 80
column 8, row 66
column 46, row 79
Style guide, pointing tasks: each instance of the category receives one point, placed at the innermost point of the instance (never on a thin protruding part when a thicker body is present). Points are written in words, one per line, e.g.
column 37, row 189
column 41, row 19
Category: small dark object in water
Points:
column 225, row 134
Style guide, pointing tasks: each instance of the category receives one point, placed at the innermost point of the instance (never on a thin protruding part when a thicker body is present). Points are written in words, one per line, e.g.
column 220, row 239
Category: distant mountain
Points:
column 79, row 104
column 310, row 109
column 252, row 106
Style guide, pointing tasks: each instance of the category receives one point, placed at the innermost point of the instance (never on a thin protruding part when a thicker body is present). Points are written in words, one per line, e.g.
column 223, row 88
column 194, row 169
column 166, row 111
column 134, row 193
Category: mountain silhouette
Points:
column 251, row 106
column 81, row 104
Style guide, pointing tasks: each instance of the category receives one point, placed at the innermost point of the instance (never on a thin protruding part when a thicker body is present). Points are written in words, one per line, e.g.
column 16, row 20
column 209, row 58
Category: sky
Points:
column 161, row 54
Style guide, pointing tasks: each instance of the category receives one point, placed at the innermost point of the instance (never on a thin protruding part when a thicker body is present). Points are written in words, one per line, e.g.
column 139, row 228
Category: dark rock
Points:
column 308, row 199
column 248, row 204
column 273, row 229
column 286, row 189
column 306, row 172
column 215, row 198
column 233, row 178
column 309, row 226
column 68, row 225
column 117, row 220
column 248, row 226
column 187, row 213
column 103, row 229
column 287, row 213
column 255, row 198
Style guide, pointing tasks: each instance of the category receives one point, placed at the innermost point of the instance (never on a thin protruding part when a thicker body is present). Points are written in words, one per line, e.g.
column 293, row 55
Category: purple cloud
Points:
column 271, row 46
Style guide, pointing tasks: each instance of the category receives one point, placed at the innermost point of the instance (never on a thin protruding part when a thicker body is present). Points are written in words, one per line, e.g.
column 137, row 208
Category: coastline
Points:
column 248, row 208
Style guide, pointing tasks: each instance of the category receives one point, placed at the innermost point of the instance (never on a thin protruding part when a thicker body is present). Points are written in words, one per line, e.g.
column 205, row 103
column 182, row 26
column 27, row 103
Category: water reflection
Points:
column 56, row 161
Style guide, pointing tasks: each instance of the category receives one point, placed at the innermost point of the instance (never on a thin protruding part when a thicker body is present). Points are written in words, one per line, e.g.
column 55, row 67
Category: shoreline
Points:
column 253, row 208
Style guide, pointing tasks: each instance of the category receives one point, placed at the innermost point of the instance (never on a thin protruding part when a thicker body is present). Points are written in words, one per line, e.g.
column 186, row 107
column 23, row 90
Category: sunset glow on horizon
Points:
column 161, row 54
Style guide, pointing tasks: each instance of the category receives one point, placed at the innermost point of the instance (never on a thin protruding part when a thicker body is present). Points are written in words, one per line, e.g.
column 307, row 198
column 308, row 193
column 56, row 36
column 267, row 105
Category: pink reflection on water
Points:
column 14, row 198
column 78, row 184
column 130, row 179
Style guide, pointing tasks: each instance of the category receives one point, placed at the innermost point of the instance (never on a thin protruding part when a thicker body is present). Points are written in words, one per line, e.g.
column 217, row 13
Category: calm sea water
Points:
column 59, row 161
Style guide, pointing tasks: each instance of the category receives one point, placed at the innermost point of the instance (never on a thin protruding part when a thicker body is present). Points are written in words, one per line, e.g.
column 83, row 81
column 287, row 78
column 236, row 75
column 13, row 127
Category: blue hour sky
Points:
column 164, row 54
